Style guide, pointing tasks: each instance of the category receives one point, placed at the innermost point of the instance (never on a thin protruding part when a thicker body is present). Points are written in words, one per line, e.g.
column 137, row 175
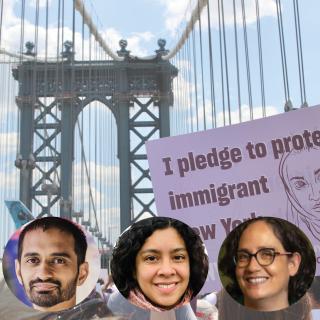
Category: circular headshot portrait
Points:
column 266, row 264
column 51, row 264
column 159, row 263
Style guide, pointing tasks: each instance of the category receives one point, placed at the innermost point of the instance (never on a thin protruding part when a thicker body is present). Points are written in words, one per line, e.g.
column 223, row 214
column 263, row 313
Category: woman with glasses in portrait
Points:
column 266, row 264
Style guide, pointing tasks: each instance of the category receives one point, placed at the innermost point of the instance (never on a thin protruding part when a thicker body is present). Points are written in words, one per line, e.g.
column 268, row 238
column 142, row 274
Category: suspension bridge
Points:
column 77, row 105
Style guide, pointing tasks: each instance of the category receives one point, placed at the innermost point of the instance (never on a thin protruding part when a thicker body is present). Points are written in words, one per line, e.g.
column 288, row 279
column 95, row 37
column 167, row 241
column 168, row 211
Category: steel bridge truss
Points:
column 51, row 96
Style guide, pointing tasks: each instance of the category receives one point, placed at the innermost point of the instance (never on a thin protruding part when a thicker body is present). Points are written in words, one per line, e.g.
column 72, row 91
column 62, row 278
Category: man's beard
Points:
column 51, row 298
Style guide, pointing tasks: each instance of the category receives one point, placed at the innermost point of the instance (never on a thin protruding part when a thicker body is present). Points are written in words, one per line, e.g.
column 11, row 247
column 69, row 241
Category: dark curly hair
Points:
column 291, row 238
column 130, row 242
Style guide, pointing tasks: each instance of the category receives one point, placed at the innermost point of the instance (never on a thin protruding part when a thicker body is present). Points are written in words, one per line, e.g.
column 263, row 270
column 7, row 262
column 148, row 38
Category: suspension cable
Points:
column 190, row 26
column 263, row 100
column 300, row 55
column 212, row 87
column 202, row 77
column 244, row 22
column 237, row 59
column 226, row 60
column 221, row 67
column 79, row 6
column 1, row 21
column 195, row 77
column 283, row 53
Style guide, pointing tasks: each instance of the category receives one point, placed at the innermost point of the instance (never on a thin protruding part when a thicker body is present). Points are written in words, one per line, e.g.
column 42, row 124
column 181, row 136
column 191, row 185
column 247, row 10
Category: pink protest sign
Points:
column 215, row 179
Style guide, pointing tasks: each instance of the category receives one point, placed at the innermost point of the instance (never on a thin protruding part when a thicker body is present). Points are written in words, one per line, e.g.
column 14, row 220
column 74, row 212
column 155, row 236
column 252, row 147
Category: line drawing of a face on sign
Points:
column 300, row 174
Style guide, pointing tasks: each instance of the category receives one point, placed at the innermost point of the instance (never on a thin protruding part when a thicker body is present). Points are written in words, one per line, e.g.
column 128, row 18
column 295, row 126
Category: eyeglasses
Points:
column 264, row 257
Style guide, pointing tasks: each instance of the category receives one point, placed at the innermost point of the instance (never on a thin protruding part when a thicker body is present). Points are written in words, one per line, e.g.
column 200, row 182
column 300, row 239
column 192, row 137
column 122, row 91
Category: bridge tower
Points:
column 69, row 86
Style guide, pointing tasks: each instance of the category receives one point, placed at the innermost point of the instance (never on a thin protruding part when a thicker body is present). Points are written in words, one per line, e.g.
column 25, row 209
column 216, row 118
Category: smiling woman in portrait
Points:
column 266, row 264
column 159, row 264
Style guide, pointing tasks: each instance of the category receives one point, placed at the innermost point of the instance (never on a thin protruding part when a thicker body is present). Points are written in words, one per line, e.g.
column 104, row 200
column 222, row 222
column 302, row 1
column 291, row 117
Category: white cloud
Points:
column 110, row 223
column 135, row 42
column 257, row 113
column 104, row 173
column 266, row 8
column 221, row 118
column 82, row 196
column 8, row 114
column 146, row 36
column 181, row 90
column 9, row 18
column 177, row 13
column 107, row 177
column 8, row 143
column 11, row 31
column 9, row 181
column 42, row 3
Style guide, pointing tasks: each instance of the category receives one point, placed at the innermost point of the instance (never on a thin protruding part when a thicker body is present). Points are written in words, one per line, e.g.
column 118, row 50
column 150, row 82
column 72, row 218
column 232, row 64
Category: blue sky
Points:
column 143, row 22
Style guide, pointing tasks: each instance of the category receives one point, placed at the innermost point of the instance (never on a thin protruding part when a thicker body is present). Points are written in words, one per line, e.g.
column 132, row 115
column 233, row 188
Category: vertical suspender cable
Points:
column 237, row 58
column 172, row 111
column 179, row 128
column 113, row 182
column 179, row 86
column 95, row 148
column 37, row 141
column 190, row 83
column 57, row 91
column 283, row 56
column 104, row 181
column 62, row 64
column 82, row 123
column 62, row 25
column 212, row 87
column 244, row 21
column 62, row 48
column 195, row 76
column 186, row 88
column 3, row 140
column 21, row 50
column 263, row 100
column 183, row 95
column 89, row 121
column 45, row 93
column 96, row 156
column 2, row 103
column 100, row 118
column 226, row 60
column 73, row 100
column 7, row 121
column 58, row 38
column 1, row 21
column 23, row 5
column 100, row 164
column 221, row 65
column 46, row 39
column 202, row 77
column 73, row 29
column 300, row 55
column 36, row 29
column 176, row 118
